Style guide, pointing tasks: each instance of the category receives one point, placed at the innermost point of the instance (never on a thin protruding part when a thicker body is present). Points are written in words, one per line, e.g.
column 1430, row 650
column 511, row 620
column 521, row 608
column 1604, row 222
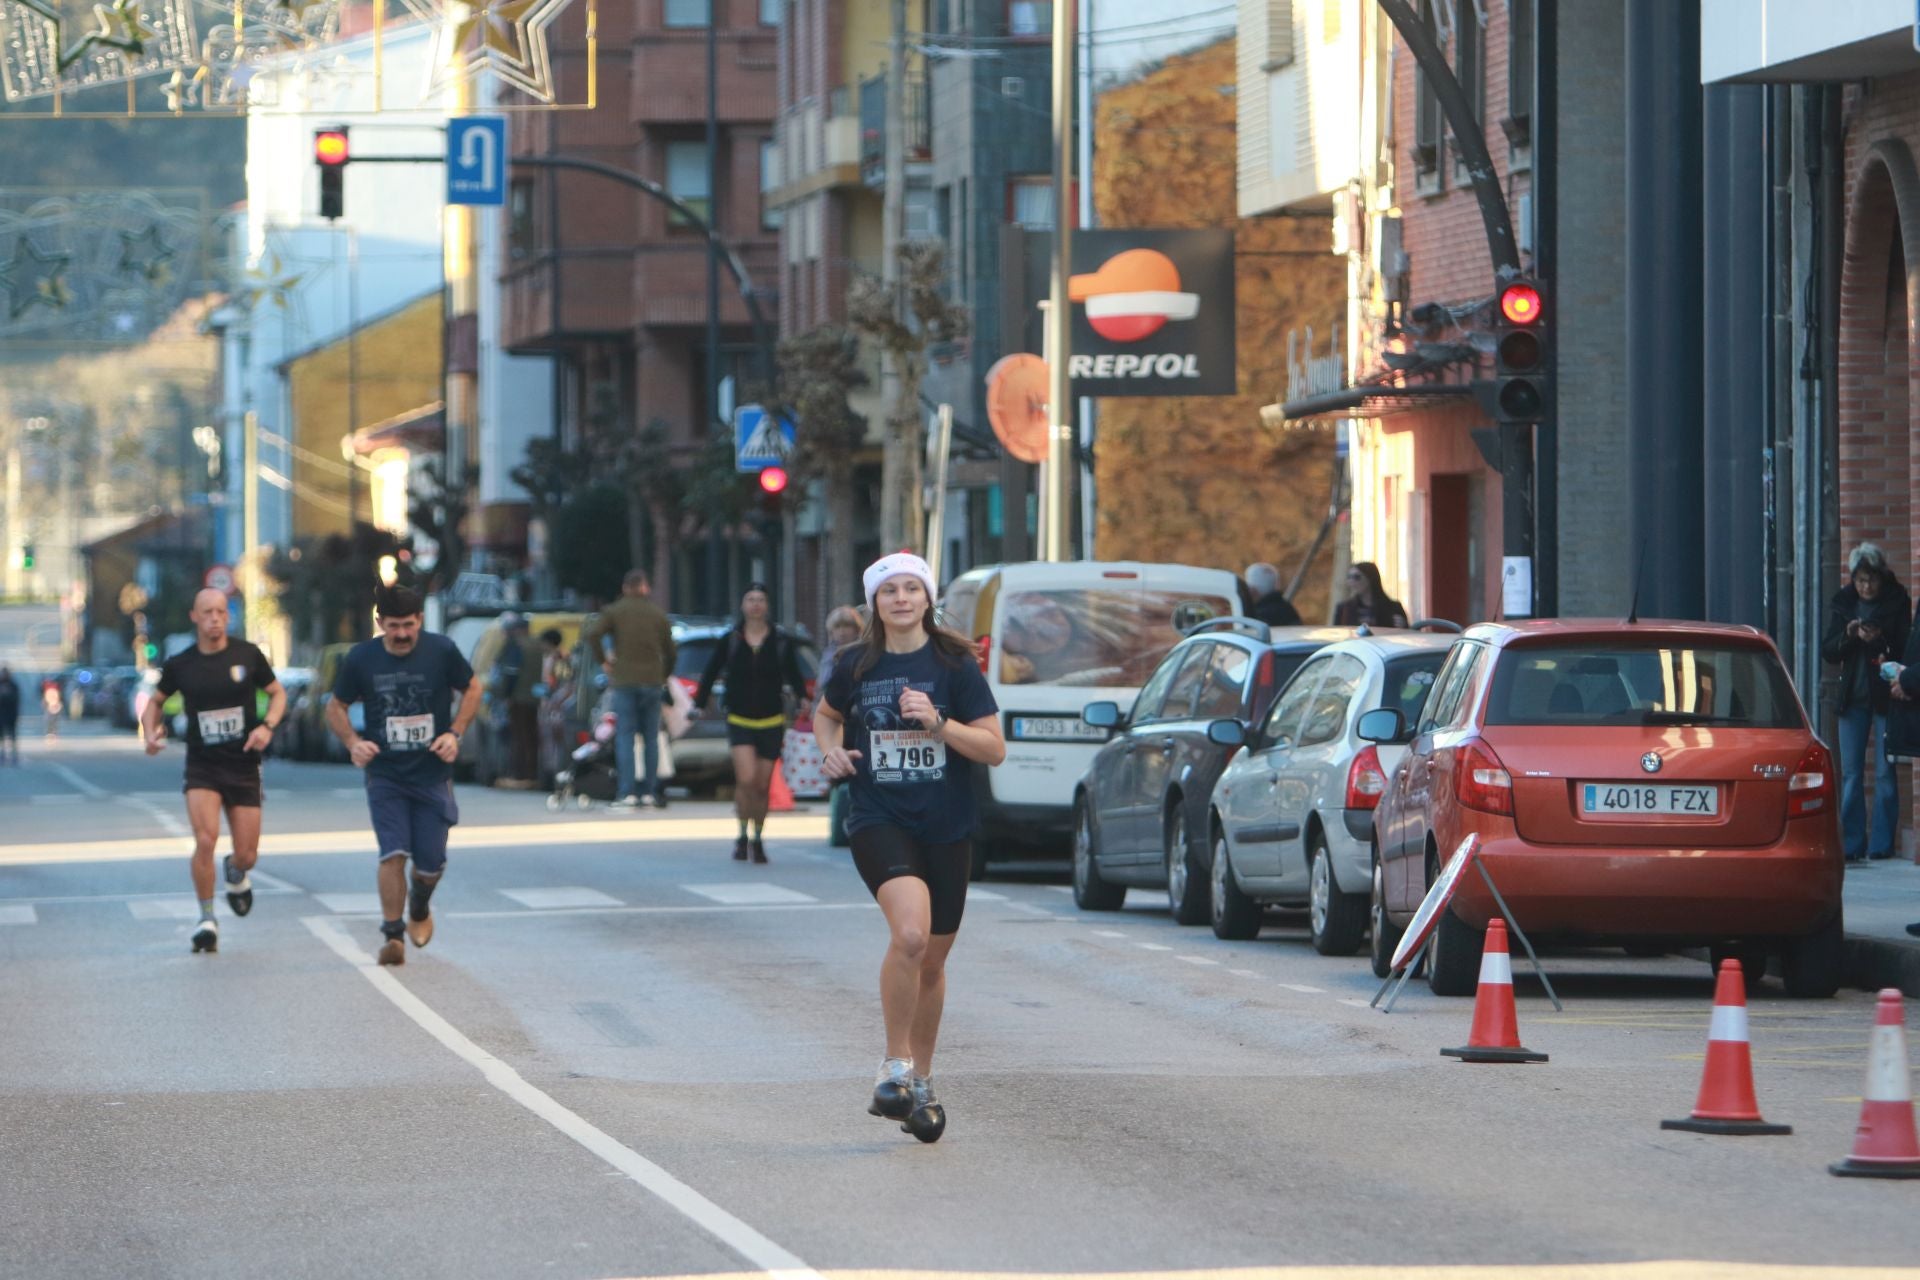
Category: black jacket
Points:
column 1890, row 611
column 754, row 679
column 1276, row 610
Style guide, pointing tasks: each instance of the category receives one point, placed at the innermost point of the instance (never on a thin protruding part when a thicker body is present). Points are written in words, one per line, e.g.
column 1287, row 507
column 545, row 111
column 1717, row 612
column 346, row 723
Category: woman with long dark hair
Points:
column 759, row 661
column 1367, row 603
column 906, row 717
column 1867, row 623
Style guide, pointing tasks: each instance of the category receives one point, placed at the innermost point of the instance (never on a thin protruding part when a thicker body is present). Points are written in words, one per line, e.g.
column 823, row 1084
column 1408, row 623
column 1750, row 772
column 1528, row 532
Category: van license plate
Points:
column 1603, row 798
column 1056, row 729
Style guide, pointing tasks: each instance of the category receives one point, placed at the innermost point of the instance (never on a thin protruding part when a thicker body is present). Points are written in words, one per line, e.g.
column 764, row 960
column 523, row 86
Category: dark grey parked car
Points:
column 1140, row 813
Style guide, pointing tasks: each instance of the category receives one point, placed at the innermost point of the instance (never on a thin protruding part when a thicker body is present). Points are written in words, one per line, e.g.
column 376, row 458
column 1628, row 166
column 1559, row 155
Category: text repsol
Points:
column 1171, row 365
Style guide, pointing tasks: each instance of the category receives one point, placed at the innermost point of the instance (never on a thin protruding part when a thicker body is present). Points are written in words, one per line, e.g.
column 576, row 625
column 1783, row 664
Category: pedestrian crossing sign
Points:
column 760, row 440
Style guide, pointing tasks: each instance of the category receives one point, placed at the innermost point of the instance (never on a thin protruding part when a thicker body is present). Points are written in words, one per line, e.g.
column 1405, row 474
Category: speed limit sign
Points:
column 220, row 578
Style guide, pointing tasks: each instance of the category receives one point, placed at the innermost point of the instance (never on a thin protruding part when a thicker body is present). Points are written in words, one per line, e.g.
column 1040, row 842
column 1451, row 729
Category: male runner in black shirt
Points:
column 219, row 680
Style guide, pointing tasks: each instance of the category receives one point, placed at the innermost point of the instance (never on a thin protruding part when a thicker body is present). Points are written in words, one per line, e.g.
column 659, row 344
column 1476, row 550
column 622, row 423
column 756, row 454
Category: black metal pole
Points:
column 1546, row 260
column 719, row 593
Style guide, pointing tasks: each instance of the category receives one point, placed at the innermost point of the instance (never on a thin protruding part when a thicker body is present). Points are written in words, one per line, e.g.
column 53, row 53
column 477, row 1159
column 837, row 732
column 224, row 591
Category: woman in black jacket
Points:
column 758, row 662
column 1868, row 622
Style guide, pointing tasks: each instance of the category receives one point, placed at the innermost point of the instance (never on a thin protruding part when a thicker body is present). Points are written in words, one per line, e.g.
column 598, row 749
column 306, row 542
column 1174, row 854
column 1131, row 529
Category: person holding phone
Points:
column 1867, row 626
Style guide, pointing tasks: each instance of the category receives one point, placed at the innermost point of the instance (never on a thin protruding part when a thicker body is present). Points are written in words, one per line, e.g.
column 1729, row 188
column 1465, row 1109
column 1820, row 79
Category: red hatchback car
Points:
column 1653, row 785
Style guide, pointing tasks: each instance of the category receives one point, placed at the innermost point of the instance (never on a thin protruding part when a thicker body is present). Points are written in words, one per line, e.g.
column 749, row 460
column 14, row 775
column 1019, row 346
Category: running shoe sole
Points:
column 241, row 901
column 207, row 940
column 421, row 931
column 393, row 951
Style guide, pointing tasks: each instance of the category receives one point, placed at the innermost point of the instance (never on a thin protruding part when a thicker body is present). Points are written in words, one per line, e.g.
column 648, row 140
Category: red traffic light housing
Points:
column 330, row 147
column 1520, row 355
column 331, row 153
column 773, row 480
column 1520, row 303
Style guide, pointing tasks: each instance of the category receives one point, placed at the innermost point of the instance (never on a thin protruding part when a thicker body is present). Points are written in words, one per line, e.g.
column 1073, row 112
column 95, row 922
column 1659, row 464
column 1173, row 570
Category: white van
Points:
column 1054, row 637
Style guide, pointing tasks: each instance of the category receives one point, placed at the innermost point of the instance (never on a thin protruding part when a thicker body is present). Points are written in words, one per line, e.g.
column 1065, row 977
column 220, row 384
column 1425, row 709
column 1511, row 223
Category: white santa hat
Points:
column 899, row 564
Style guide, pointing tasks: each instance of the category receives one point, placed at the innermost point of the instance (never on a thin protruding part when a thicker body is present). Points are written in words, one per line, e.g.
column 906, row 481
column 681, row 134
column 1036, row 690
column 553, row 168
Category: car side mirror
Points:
column 1227, row 733
column 1101, row 715
column 1383, row 725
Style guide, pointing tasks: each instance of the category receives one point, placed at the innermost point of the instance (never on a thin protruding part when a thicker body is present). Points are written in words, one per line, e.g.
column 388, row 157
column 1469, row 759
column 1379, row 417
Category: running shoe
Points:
column 393, row 951
column 206, row 937
column 740, row 849
column 649, row 802
column 893, row 1089
column 759, row 851
column 421, row 931
column 239, row 889
column 625, row 803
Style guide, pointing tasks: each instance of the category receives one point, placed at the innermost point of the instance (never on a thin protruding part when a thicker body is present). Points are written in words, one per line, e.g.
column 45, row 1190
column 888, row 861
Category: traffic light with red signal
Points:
column 1520, row 354
column 331, row 154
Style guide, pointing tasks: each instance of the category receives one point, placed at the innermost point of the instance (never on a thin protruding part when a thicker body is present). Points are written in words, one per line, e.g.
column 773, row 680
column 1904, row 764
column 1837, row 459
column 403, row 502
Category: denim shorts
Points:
column 411, row 820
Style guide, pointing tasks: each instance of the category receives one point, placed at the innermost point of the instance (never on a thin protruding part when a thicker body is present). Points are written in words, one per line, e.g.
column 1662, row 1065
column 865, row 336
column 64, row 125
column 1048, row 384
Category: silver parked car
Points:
column 1292, row 815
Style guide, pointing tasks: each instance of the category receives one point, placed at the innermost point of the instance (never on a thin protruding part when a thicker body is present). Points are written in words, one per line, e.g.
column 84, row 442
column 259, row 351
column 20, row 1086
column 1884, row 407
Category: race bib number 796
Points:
column 907, row 756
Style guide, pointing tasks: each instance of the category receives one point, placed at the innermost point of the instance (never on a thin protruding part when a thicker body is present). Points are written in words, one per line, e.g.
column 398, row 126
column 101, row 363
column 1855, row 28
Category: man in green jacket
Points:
column 637, row 664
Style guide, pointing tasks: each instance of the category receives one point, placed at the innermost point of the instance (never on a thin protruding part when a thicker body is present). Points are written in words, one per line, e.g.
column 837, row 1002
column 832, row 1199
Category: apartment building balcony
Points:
column 819, row 147
column 917, row 121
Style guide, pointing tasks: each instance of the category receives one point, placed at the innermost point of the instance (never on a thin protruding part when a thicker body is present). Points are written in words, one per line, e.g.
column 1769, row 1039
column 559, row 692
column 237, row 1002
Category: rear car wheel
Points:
column 1386, row 935
column 1186, row 888
column 1335, row 919
column 1752, row 958
column 1236, row 917
column 1812, row 967
column 1453, row 966
column 1090, row 892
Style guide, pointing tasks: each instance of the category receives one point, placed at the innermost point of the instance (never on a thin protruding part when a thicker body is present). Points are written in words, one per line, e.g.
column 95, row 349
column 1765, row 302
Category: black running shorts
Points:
column 767, row 743
column 239, row 787
column 884, row 853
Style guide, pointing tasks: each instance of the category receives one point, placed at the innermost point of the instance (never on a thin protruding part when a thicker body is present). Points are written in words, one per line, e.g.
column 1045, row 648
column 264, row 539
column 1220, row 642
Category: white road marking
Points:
column 741, row 895
column 1196, row 960
column 77, row 782
column 1032, row 910
column 1356, row 1003
column 350, row 904
column 169, row 908
column 18, row 914
column 561, row 896
column 1059, row 888
column 1151, row 946
column 61, row 799
column 1243, row 973
column 168, row 822
column 984, row 895
column 272, row 884
column 1108, row 933
column 1304, row 989
column 702, row 1212
column 126, row 897
column 660, row 911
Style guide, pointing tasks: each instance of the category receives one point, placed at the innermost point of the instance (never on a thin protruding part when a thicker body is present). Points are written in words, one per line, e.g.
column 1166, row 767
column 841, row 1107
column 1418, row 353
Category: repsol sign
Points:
column 1152, row 311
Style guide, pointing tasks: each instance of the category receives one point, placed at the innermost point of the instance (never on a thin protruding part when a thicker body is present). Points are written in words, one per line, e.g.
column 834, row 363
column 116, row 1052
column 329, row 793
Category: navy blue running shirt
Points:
column 906, row 777
column 409, row 703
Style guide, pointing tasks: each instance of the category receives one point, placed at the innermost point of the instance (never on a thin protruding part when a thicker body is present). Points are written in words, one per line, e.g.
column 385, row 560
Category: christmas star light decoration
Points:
column 43, row 286
column 150, row 264
column 270, row 282
column 51, row 47
column 505, row 37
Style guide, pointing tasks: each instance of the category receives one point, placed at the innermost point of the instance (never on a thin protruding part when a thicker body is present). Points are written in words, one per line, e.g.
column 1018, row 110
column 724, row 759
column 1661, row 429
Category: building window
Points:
column 1030, row 18
column 923, row 214
column 1426, row 117
column 687, row 179
column 1279, row 34
column 769, row 181
column 772, row 12
column 1030, row 203
column 688, row 13
column 1469, row 67
column 521, row 231
column 1518, row 122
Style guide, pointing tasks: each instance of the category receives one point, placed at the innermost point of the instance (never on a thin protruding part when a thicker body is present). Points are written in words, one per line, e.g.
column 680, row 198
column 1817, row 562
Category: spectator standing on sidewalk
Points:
column 517, row 684
column 1269, row 604
column 1367, row 603
column 9, row 713
column 642, row 656
column 1867, row 625
column 843, row 632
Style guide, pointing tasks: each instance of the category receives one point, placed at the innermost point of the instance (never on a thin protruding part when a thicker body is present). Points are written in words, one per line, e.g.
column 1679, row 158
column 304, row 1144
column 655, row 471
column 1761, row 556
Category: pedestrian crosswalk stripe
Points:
column 561, row 896
column 986, row 895
column 743, row 895
column 350, row 904
column 18, row 914
column 180, row 908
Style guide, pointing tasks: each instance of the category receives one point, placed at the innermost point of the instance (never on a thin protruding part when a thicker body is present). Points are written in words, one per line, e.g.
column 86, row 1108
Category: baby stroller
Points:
column 590, row 760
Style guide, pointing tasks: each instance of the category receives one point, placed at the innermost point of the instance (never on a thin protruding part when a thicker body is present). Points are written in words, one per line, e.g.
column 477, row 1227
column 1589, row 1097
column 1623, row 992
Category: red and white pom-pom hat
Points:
column 901, row 564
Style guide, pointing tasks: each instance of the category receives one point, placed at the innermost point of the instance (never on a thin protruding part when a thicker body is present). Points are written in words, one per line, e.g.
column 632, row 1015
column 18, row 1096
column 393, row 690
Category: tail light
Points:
column 1811, row 785
column 1262, row 682
column 1480, row 781
column 1366, row 780
column 986, row 653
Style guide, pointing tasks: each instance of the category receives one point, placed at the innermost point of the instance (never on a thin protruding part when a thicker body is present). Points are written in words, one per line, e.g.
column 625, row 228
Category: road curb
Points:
column 1874, row 963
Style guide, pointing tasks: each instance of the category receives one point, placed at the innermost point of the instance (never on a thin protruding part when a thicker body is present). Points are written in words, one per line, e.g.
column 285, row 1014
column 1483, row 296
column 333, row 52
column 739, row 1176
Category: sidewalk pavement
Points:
column 1882, row 899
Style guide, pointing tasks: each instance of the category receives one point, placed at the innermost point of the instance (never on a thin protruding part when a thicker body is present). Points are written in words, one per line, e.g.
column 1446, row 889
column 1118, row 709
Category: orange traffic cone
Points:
column 1496, row 1023
column 779, row 795
column 1885, row 1145
column 1726, row 1104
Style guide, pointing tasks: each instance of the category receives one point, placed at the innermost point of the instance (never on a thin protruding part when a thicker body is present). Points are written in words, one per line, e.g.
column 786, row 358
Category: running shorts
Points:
column 766, row 743
column 238, row 785
column 411, row 820
column 883, row 853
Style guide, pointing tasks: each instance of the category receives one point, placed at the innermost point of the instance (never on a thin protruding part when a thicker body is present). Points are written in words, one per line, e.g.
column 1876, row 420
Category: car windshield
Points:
column 1647, row 683
column 1409, row 681
column 1096, row 638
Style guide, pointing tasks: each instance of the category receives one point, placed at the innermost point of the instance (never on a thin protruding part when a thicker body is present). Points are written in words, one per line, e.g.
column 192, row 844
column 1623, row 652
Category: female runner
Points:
column 907, row 717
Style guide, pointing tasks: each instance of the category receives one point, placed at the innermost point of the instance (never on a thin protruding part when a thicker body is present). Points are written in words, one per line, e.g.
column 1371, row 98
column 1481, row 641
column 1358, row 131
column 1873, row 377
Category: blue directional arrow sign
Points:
column 477, row 160
column 759, row 439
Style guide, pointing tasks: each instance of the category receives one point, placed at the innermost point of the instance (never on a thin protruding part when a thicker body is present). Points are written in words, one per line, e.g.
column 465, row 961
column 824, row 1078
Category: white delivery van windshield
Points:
column 1095, row 637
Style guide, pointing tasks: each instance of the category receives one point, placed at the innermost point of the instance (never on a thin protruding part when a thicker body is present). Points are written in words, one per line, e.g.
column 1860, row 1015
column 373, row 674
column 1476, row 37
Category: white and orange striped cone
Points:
column 1885, row 1144
column 1727, row 1104
column 1495, row 1036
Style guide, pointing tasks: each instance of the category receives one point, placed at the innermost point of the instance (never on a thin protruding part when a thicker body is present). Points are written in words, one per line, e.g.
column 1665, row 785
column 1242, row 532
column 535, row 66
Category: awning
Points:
column 1366, row 400
column 418, row 430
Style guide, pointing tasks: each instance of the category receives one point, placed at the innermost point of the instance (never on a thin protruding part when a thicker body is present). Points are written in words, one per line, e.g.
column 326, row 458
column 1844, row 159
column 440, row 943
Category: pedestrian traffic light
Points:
column 330, row 153
column 1520, row 354
column 773, row 480
column 26, row 555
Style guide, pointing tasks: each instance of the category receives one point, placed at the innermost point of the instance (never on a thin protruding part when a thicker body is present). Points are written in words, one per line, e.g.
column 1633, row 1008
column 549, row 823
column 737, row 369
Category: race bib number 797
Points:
column 221, row 726
column 409, row 733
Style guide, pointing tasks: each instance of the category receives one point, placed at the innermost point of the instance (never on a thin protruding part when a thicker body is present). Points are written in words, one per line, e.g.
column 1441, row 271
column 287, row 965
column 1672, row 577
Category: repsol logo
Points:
column 1170, row 365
